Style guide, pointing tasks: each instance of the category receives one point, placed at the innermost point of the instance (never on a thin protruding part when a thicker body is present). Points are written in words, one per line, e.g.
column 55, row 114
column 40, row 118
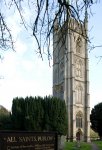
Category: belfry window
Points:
column 79, row 120
column 79, row 94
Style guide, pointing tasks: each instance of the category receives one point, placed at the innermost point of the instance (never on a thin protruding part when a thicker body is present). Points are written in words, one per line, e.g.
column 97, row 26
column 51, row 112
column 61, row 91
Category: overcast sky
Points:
column 25, row 74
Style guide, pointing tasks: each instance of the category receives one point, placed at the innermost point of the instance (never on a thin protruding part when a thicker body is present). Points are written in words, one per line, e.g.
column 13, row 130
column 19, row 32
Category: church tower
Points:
column 71, row 76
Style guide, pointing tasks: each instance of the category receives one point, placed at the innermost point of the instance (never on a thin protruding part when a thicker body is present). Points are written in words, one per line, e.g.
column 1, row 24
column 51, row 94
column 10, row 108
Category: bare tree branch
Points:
column 92, row 47
column 47, row 11
column 6, row 40
column 99, row 59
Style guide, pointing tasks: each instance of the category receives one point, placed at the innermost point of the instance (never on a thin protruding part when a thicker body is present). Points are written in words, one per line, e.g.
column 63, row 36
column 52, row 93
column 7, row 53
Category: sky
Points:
column 25, row 74
column 95, row 63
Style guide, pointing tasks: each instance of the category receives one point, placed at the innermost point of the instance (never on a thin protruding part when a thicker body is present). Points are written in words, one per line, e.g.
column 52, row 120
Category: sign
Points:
column 28, row 140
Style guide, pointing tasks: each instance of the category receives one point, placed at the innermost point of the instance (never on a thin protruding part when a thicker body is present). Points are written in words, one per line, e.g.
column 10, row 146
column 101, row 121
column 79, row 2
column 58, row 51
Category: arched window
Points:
column 79, row 66
column 78, row 45
column 79, row 120
column 79, row 94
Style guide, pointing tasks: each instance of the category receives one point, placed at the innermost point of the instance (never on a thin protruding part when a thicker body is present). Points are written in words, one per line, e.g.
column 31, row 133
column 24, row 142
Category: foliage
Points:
column 3, row 111
column 5, row 122
column 33, row 113
column 39, row 114
column 18, row 113
column 96, row 119
column 55, row 115
column 5, row 119
column 93, row 135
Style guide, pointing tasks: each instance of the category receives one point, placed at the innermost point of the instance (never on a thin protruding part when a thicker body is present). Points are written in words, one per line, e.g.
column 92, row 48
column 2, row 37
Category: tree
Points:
column 55, row 115
column 3, row 111
column 18, row 113
column 93, row 135
column 45, row 14
column 5, row 119
column 96, row 119
column 34, row 113
column 39, row 114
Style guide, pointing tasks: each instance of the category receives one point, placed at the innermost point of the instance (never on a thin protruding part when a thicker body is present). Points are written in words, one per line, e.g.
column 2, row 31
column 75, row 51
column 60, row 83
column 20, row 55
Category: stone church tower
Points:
column 71, row 76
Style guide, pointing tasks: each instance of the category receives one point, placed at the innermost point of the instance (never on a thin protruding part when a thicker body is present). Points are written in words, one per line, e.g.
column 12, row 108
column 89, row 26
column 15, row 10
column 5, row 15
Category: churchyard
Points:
column 74, row 146
column 83, row 146
column 32, row 135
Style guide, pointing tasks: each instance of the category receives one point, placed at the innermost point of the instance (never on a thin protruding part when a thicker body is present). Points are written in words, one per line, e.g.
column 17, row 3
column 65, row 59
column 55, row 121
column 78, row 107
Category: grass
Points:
column 69, row 146
column 99, row 144
column 73, row 146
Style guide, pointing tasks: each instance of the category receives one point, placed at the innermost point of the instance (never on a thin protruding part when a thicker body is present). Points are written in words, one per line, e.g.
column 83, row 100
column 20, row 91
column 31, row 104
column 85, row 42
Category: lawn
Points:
column 73, row 146
column 99, row 144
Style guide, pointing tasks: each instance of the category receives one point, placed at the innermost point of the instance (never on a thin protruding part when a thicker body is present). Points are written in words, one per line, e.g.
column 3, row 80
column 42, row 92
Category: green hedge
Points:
column 39, row 114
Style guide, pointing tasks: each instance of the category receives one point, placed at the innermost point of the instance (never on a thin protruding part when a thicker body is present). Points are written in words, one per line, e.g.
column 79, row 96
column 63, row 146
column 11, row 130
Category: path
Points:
column 94, row 146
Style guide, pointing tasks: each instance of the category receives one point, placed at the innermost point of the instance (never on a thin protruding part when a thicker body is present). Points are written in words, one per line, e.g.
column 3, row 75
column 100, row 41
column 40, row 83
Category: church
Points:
column 71, row 76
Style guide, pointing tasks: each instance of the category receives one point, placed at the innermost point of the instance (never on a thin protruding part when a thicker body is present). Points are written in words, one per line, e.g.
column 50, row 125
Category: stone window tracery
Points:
column 79, row 67
column 78, row 45
column 79, row 120
column 79, row 94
